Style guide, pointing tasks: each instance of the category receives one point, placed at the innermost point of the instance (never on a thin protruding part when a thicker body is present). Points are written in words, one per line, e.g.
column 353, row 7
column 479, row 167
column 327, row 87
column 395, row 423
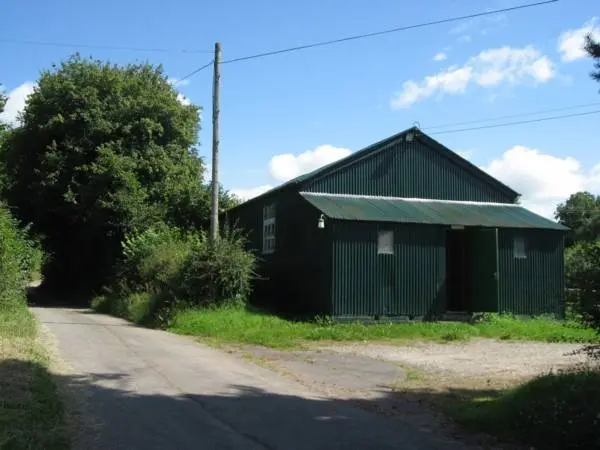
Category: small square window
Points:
column 519, row 247
column 385, row 242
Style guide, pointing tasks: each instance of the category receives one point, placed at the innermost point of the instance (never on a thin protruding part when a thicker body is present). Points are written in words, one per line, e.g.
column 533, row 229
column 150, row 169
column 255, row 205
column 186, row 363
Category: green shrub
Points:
column 582, row 267
column 164, row 268
column 152, row 260
column 20, row 259
column 213, row 274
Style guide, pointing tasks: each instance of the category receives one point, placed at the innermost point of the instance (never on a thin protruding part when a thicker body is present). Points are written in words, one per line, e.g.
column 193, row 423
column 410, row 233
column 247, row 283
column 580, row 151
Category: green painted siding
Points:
column 296, row 278
column 409, row 282
column 408, row 170
column 533, row 285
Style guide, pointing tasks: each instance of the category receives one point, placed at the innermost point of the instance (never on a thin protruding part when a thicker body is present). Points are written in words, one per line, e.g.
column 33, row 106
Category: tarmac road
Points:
column 147, row 389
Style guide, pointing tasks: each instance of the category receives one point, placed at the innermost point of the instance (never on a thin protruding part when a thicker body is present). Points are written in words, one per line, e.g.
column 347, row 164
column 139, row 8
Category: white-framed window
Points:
column 269, row 228
column 519, row 247
column 385, row 242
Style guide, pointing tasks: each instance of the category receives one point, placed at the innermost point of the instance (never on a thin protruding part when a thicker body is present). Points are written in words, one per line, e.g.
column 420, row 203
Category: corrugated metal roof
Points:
column 435, row 212
column 378, row 146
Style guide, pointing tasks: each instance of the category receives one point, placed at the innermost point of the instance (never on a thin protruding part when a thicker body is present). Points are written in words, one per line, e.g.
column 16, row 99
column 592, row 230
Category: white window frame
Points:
column 269, row 228
column 385, row 242
column 519, row 247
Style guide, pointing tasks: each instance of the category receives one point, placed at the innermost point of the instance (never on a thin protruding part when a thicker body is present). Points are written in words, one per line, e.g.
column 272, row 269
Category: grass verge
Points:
column 31, row 412
column 553, row 411
column 239, row 324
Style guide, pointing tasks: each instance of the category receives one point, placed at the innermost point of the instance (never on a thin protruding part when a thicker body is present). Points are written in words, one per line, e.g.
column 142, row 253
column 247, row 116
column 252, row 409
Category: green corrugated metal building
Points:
column 402, row 228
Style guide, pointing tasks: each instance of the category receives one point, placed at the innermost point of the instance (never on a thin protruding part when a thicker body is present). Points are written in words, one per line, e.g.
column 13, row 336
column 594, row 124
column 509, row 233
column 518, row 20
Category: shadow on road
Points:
column 103, row 412
column 42, row 295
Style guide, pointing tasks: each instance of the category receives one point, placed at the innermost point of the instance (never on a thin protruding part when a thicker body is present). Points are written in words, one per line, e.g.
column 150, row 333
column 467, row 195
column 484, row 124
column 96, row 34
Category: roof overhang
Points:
column 427, row 211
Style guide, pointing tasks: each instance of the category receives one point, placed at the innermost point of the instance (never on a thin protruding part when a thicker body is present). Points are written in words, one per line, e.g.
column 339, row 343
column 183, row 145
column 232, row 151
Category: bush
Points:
column 216, row 273
column 20, row 259
column 164, row 269
column 582, row 264
column 152, row 260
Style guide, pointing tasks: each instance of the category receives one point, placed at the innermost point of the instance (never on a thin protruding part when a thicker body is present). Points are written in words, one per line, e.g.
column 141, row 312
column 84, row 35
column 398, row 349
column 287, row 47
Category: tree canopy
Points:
column 103, row 150
column 593, row 49
column 581, row 213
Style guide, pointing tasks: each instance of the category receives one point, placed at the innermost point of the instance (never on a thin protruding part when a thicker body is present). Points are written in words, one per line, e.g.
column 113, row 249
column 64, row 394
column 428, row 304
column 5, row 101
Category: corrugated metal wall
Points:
column 408, row 169
column 410, row 282
column 296, row 278
column 534, row 285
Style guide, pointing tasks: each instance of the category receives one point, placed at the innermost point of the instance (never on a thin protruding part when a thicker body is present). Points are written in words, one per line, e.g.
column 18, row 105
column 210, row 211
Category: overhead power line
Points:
column 194, row 72
column 392, row 30
column 102, row 47
column 512, row 116
column 519, row 122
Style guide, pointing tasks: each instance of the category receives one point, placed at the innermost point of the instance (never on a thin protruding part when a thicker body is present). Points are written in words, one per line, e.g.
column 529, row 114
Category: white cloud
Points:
column 571, row 43
column 177, row 82
column 286, row 166
column 248, row 193
column 183, row 99
column 543, row 180
column 490, row 68
column 440, row 56
column 16, row 102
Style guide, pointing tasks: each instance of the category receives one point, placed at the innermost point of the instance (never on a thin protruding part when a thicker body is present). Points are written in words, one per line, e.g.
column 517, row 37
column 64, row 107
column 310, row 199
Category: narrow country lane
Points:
column 149, row 389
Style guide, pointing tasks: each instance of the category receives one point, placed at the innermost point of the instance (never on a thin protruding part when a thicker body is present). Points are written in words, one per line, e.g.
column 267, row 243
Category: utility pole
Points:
column 214, row 217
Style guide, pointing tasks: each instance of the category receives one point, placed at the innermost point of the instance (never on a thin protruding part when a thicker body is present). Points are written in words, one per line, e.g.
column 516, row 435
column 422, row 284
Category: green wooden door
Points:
column 484, row 269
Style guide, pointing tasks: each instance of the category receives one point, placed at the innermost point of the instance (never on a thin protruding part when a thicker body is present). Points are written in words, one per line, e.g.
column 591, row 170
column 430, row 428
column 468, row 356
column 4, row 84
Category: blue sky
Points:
column 289, row 113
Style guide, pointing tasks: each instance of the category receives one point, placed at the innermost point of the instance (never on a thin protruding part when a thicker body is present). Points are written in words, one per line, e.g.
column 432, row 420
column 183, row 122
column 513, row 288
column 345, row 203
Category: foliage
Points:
column 31, row 413
column 582, row 263
column 242, row 324
column 552, row 411
column 20, row 258
column 219, row 272
column 152, row 260
column 581, row 213
column 163, row 268
column 103, row 150
column 593, row 49
column 3, row 129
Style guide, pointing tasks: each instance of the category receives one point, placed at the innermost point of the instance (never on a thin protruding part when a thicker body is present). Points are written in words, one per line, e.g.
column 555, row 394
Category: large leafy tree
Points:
column 102, row 150
column 593, row 49
column 581, row 213
column 3, row 129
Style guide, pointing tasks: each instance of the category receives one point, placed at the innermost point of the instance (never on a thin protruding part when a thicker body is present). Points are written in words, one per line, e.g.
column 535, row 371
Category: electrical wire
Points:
column 512, row 116
column 392, row 30
column 519, row 122
column 197, row 70
column 104, row 47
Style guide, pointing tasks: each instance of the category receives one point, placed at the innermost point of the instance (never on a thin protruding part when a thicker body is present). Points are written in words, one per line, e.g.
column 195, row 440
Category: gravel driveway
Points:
column 499, row 360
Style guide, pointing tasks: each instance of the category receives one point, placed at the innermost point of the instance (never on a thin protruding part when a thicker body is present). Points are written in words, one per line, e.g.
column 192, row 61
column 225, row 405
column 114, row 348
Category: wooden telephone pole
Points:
column 214, row 217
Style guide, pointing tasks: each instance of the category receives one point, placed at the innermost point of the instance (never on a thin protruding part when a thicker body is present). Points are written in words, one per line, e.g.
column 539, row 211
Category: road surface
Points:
column 149, row 389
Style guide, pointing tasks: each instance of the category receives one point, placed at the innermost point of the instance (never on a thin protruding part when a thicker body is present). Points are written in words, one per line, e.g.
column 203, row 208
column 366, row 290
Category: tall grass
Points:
column 553, row 411
column 241, row 324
